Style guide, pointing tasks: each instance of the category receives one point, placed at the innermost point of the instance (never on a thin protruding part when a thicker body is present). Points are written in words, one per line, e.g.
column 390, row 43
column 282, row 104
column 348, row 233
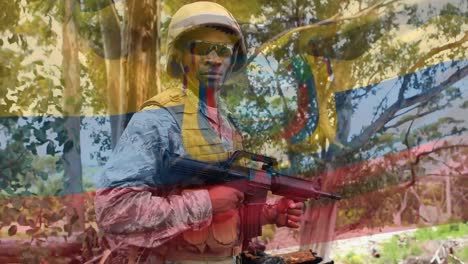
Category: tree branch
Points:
column 451, row 167
column 404, row 202
column 420, row 62
column 406, row 111
column 278, row 89
column 399, row 123
column 404, row 103
column 419, row 156
column 439, row 175
column 332, row 20
column 408, row 147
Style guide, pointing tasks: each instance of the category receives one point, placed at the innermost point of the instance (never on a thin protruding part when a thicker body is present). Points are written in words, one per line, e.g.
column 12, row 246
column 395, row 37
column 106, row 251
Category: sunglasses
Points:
column 203, row 48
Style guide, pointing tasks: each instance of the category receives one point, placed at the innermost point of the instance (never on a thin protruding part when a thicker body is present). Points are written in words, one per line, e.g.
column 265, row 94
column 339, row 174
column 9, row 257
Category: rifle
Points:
column 255, row 184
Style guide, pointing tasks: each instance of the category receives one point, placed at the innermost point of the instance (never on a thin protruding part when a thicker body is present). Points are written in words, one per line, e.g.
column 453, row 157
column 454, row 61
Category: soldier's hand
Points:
column 289, row 213
column 225, row 198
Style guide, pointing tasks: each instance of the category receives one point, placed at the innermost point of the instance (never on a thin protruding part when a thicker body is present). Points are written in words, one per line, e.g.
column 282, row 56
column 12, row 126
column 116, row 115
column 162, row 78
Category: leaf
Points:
column 73, row 219
column 13, row 39
column 7, row 173
column 33, row 148
column 40, row 135
column 22, row 220
column 58, row 192
column 43, row 175
column 38, row 62
column 68, row 146
column 55, row 217
column 56, row 229
column 67, row 228
column 18, row 137
column 50, row 148
column 32, row 231
column 12, row 230
column 31, row 223
column 11, row 212
column 464, row 105
column 44, row 204
column 17, row 203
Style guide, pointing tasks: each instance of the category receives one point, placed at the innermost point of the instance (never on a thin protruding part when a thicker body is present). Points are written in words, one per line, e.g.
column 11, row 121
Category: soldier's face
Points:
column 207, row 56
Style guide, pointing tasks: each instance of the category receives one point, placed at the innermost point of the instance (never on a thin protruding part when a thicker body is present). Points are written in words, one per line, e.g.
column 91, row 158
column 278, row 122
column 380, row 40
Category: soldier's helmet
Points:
column 199, row 14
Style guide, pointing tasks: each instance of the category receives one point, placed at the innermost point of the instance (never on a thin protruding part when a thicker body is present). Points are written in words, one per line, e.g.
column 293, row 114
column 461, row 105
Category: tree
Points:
column 129, row 44
column 348, row 45
column 31, row 94
column 72, row 102
column 43, row 103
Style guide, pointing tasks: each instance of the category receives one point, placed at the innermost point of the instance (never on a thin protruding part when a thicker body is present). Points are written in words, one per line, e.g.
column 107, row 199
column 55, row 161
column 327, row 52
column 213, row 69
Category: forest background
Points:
column 368, row 98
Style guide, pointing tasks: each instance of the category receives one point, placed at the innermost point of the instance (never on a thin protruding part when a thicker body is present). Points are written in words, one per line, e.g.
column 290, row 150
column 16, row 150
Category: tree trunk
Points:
column 132, row 52
column 72, row 108
column 448, row 195
column 142, row 43
column 397, row 215
column 157, row 48
column 116, row 94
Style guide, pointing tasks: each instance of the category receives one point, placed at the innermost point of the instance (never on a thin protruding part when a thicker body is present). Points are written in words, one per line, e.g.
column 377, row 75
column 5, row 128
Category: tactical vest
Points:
column 201, row 142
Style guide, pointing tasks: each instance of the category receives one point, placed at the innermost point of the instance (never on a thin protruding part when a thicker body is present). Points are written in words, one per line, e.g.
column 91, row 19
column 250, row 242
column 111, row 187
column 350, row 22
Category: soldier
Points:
column 204, row 46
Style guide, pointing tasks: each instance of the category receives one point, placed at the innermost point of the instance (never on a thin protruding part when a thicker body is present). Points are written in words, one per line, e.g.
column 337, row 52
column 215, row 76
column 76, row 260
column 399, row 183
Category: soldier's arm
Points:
column 127, row 207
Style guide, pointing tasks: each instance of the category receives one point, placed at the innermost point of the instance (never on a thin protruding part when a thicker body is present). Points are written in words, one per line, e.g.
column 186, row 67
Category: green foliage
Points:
column 414, row 250
column 265, row 96
column 392, row 252
column 9, row 14
column 464, row 105
column 401, row 247
column 243, row 12
column 442, row 232
column 463, row 254
column 352, row 258
column 32, row 134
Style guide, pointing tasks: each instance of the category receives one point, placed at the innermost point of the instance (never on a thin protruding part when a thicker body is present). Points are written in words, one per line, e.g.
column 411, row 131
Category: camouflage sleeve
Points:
column 125, row 204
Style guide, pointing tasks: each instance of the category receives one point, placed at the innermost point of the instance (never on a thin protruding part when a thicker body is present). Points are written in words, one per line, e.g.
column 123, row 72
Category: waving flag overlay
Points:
column 369, row 99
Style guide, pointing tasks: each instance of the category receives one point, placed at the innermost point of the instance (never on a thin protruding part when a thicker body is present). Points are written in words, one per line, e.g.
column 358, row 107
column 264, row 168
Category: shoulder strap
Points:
column 170, row 97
